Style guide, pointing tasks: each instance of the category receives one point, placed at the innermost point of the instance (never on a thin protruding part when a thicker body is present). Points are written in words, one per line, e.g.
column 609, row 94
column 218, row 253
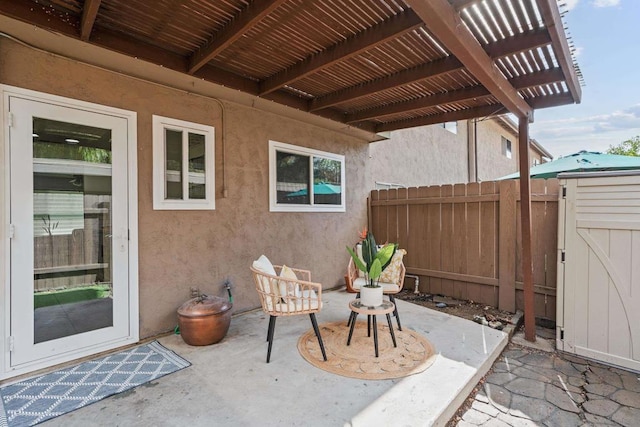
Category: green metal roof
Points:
column 583, row 161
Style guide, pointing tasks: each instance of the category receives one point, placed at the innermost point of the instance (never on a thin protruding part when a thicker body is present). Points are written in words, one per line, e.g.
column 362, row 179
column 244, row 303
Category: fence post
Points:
column 507, row 246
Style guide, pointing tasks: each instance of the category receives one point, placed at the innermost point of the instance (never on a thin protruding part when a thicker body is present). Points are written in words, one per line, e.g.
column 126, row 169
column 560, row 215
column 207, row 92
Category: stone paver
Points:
column 602, row 407
column 530, row 387
column 628, row 417
column 627, row 398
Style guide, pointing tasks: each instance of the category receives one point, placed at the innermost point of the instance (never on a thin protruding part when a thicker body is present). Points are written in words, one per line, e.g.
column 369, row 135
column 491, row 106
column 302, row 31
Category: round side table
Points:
column 356, row 307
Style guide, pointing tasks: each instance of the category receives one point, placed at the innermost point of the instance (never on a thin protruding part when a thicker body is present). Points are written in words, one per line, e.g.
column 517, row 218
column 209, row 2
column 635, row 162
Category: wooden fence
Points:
column 79, row 258
column 464, row 240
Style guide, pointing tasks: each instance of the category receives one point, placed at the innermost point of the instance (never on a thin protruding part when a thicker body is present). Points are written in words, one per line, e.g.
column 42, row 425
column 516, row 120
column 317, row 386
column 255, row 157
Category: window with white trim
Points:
column 506, row 147
column 450, row 126
column 305, row 180
column 183, row 165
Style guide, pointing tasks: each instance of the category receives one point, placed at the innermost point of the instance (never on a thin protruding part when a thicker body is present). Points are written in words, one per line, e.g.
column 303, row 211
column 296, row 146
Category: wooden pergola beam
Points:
column 545, row 77
column 552, row 21
column 525, row 41
column 521, row 42
column 255, row 12
column 527, row 230
column 401, row 78
column 366, row 40
column 461, row 95
column 451, row 116
column 445, row 24
column 89, row 14
column 444, row 98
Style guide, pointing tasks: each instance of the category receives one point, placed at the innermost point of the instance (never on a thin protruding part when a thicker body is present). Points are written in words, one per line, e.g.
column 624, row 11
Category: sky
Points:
column 606, row 35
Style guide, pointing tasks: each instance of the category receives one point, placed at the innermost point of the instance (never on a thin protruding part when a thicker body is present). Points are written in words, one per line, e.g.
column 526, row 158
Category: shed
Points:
column 598, row 270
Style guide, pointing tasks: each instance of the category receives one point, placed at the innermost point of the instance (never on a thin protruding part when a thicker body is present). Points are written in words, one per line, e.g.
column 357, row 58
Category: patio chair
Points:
column 286, row 291
column 391, row 279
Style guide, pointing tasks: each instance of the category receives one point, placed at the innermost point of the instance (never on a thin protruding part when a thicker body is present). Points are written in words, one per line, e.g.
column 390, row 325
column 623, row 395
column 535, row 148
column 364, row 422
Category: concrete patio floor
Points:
column 229, row 383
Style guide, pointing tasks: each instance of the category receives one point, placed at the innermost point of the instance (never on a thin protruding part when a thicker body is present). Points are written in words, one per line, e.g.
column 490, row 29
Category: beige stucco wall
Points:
column 492, row 164
column 180, row 249
column 426, row 155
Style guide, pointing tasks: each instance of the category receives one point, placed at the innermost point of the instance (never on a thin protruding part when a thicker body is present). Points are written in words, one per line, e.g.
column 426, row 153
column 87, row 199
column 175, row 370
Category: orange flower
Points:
column 363, row 233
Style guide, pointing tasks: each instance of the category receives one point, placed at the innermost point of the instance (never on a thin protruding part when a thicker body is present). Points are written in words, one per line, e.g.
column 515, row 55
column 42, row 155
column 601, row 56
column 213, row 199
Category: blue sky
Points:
column 606, row 34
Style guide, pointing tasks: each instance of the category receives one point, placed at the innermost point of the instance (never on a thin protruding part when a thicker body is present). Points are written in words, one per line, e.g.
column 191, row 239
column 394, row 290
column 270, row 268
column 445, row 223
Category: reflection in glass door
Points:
column 73, row 291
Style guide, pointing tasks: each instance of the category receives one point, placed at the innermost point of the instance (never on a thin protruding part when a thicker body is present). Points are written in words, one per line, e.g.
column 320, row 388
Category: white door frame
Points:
column 6, row 371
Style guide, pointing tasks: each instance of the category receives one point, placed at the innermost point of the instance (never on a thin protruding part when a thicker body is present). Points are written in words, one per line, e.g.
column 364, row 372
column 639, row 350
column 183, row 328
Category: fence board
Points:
column 433, row 238
column 489, row 238
column 464, row 240
column 446, row 233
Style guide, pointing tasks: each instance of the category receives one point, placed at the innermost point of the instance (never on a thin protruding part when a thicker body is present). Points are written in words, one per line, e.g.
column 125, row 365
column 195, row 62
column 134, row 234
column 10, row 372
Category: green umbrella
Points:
column 318, row 189
column 582, row 161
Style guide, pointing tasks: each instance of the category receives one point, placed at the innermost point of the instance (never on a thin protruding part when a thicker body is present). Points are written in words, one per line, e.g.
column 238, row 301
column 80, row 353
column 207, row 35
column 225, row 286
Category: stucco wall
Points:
column 180, row 249
column 426, row 155
column 492, row 164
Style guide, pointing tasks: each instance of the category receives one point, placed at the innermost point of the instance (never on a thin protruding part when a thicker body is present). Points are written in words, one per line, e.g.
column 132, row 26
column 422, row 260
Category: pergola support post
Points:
column 525, row 221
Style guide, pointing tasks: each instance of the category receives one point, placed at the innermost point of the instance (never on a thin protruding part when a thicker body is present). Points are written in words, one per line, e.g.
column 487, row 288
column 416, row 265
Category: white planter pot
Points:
column 371, row 297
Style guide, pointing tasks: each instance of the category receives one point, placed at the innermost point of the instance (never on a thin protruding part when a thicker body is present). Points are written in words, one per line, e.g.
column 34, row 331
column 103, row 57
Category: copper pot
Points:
column 204, row 320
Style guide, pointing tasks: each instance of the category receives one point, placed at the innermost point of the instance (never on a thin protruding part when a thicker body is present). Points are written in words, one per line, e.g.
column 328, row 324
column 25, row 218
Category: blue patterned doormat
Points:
column 35, row 400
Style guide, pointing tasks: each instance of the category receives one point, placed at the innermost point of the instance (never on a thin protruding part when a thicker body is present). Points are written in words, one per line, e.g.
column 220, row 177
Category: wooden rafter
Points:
column 451, row 116
column 460, row 95
column 551, row 18
column 366, row 40
column 89, row 14
column 551, row 100
column 446, row 25
column 518, row 43
column 526, row 41
column 444, row 98
column 412, row 75
column 239, row 25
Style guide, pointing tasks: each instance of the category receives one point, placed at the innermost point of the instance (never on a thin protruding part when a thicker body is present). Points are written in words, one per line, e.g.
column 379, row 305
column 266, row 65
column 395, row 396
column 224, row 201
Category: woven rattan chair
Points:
column 354, row 281
column 282, row 296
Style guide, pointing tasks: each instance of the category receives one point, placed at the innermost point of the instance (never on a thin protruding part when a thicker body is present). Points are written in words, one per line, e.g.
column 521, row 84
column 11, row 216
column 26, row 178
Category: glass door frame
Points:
column 9, row 369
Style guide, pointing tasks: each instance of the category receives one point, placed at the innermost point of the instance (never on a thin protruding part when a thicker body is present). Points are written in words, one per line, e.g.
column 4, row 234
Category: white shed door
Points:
column 600, row 311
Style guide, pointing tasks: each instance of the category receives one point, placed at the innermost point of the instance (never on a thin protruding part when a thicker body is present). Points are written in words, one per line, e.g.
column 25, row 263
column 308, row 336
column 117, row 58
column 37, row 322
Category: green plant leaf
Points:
column 356, row 259
column 385, row 254
column 375, row 270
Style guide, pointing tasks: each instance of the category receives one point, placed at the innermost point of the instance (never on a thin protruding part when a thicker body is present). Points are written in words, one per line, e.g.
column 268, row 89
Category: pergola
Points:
column 372, row 65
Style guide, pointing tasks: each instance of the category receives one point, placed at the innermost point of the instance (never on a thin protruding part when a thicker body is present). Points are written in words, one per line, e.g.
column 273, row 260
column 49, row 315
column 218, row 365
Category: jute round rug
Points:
column 358, row 360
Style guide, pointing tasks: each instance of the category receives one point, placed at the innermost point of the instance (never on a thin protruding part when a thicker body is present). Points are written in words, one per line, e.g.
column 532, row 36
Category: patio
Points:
column 229, row 383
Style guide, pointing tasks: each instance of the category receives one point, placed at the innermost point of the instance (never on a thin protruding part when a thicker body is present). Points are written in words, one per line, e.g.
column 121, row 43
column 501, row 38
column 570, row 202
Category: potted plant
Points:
column 374, row 261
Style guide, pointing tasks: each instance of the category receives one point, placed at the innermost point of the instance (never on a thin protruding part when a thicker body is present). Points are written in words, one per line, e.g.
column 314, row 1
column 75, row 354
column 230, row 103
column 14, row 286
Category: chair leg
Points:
column 272, row 327
column 317, row 331
column 395, row 311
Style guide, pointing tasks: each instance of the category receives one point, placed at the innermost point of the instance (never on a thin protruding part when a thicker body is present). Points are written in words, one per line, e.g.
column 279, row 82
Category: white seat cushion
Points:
column 391, row 288
column 288, row 289
column 263, row 265
column 308, row 301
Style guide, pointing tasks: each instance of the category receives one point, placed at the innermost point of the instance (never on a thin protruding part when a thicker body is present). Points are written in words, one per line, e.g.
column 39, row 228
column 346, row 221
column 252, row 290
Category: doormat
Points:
column 37, row 399
column 413, row 354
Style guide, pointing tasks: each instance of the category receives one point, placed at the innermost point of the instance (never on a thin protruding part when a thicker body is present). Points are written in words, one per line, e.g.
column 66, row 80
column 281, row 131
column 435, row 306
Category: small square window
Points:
column 305, row 180
column 450, row 126
column 183, row 165
column 506, row 147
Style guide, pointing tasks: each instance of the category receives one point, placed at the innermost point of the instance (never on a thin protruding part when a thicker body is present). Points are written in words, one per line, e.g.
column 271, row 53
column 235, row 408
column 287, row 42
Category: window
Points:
column 536, row 162
column 183, row 165
column 506, row 147
column 305, row 180
column 450, row 126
